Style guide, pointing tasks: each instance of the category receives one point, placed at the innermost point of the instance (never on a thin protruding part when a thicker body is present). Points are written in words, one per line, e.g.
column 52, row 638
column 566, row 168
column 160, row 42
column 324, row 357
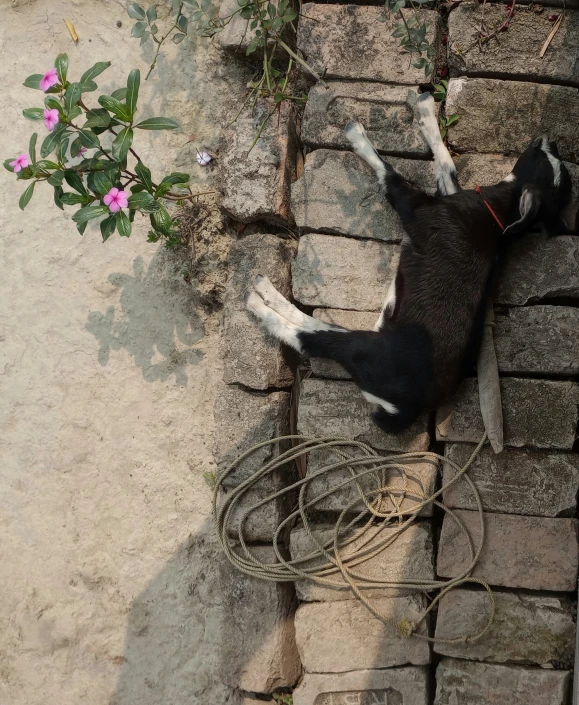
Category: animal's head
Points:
column 543, row 188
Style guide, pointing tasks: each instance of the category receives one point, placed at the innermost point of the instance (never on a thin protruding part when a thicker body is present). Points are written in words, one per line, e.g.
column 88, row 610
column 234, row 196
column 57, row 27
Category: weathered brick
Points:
column 338, row 193
column 519, row 552
column 353, row 320
column 498, row 116
column 409, row 558
column 516, row 481
column 416, row 483
column 256, row 178
column 538, row 339
column 516, row 55
column 394, row 686
column 236, row 35
column 387, row 113
column 346, row 41
column 250, row 357
column 259, row 653
column 536, row 412
column 344, row 636
column 261, row 523
column 489, row 169
column 467, row 683
column 526, row 628
column 539, row 268
column 337, row 409
column 340, row 272
column 242, row 420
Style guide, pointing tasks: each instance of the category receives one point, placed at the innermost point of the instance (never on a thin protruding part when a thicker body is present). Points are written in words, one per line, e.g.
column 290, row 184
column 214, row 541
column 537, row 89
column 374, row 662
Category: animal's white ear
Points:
column 529, row 205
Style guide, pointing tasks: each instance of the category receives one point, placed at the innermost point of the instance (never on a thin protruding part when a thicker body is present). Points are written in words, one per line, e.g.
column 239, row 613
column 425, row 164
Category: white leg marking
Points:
column 279, row 327
column 389, row 305
column 356, row 135
column 509, row 178
column 386, row 405
column 443, row 164
column 279, row 304
column 555, row 163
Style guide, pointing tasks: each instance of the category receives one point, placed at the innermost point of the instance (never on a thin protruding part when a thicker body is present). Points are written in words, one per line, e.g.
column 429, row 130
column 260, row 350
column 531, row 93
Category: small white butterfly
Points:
column 203, row 158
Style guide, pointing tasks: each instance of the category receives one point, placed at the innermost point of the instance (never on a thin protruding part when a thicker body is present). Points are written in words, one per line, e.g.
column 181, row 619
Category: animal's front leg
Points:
column 275, row 324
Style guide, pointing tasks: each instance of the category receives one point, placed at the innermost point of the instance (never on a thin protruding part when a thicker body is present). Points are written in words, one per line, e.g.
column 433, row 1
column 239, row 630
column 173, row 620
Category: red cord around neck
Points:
column 488, row 205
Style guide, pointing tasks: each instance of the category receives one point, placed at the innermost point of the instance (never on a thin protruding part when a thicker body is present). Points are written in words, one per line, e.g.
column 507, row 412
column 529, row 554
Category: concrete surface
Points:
column 108, row 368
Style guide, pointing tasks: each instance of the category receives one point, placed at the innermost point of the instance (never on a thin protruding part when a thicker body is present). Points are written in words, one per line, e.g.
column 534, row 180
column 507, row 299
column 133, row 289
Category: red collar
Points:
column 488, row 205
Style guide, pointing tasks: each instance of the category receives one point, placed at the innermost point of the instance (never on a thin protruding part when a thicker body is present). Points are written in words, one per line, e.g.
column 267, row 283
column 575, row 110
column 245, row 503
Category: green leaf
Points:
column 120, row 93
column 154, row 29
column 122, row 143
column 169, row 181
column 26, row 196
column 278, row 97
column 182, row 23
column 74, row 181
column 55, row 179
column 100, row 183
column 143, row 201
column 116, row 107
column 162, row 221
column 33, row 81
column 157, row 123
column 144, row 38
column 88, row 213
column 178, row 38
column 89, row 140
column 138, row 29
column 45, row 165
column 71, row 199
column 98, row 117
column 152, row 14
column 32, row 147
column 205, row 4
column 419, row 63
column 133, row 83
column 81, row 227
column 72, row 96
column 57, row 195
column 135, row 11
column 52, row 140
column 33, row 113
column 108, row 226
column 53, row 104
column 62, row 150
column 452, row 119
column 7, row 164
column 123, row 224
column 145, row 175
column 289, row 15
column 25, row 174
column 95, row 71
column 61, row 65
column 400, row 31
column 398, row 5
column 88, row 86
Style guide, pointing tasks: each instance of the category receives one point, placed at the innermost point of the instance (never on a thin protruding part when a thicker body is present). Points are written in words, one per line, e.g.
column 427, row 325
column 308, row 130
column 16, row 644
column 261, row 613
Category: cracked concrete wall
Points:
column 107, row 374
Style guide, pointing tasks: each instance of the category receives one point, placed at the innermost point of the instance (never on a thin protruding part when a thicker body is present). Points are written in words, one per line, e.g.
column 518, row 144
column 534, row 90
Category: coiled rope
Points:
column 330, row 563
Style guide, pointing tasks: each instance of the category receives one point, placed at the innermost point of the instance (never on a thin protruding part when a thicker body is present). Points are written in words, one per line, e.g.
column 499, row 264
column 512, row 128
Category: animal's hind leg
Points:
column 446, row 180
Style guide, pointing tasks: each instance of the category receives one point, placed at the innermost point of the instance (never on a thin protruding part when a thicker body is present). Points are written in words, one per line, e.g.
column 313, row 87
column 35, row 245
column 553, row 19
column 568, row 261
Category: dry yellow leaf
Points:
column 72, row 30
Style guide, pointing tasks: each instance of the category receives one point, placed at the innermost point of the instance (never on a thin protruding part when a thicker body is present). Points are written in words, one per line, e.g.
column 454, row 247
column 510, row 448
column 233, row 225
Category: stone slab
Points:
column 259, row 653
column 394, row 686
column 533, row 553
column 387, row 113
column 244, row 419
column 538, row 340
column 352, row 320
column 408, row 487
column 409, row 558
column 338, row 193
column 330, row 408
column 468, row 683
column 333, row 637
column 256, row 175
column 262, row 522
column 499, row 116
column 526, row 629
column 356, row 43
column 537, row 268
column 536, row 412
column 516, row 55
column 340, row 272
column 516, row 481
column 250, row 357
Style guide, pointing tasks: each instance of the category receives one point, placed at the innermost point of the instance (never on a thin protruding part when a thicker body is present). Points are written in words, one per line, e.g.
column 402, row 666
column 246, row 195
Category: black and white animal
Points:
column 428, row 333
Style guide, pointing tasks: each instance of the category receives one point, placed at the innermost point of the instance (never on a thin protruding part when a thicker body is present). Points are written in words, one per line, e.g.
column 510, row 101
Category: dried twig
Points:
column 552, row 33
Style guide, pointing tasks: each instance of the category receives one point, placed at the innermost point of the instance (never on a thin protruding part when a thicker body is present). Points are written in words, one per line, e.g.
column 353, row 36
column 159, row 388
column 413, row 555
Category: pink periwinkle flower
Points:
column 48, row 80
column 51, row 117
column 116, row 200
column 21, row 162
column 81, row 152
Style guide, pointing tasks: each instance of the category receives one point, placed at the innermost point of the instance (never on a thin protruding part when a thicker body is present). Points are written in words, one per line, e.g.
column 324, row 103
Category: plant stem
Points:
column 160, row 42
column 300, row 61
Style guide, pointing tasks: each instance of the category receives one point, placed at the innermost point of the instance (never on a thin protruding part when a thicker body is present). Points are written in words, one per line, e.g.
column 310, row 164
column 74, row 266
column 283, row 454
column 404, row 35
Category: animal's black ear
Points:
column 529, row 205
